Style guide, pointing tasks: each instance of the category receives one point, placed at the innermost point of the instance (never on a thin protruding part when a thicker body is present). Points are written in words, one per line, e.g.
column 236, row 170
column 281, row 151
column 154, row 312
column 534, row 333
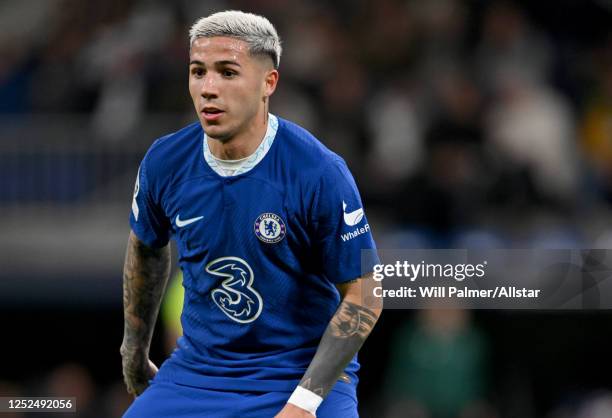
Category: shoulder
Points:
column 169, row 156
column 173, row 147
column 307, row 154
column 315, row 172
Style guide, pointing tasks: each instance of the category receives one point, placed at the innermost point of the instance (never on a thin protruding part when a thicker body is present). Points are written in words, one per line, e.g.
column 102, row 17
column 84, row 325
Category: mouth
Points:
column 211, row 113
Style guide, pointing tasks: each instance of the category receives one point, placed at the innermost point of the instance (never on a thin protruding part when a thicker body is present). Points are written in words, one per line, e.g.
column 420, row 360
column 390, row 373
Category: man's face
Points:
column 228, row 85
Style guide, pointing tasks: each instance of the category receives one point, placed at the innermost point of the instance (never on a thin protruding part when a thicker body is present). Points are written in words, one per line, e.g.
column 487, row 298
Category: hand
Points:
column 292, row 411
column 137, row 371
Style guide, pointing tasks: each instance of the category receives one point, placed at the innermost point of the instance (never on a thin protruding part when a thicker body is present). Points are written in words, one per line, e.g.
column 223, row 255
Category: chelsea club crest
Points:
column 270, row 228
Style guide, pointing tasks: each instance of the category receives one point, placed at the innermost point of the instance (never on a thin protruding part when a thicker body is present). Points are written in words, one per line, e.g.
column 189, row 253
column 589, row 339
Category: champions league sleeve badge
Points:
column 270, row 228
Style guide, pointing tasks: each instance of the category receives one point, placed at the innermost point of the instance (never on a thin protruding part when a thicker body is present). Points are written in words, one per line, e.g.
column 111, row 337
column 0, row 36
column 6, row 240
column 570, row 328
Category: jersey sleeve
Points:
column 147, row 217
column 341, row 228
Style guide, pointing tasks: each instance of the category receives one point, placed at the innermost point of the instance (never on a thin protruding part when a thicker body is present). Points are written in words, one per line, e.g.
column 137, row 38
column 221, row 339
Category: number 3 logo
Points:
column 235, row 296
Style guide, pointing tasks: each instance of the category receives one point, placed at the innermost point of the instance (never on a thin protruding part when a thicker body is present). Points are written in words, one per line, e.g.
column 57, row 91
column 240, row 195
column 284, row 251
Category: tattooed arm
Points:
column 145, row 275
column 344, row 336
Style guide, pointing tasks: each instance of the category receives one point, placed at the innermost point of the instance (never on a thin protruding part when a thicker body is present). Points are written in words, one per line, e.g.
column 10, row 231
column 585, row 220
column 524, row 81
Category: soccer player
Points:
column 269, row 227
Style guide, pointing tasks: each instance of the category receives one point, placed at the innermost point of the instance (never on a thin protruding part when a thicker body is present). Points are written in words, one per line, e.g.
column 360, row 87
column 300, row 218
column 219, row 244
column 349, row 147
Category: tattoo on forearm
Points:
column 352, row 320
column 145, row 275
column 348, row 329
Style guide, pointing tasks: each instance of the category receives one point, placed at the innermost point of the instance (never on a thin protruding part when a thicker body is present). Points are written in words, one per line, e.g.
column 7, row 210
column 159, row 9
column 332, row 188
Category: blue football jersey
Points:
column 260, row 253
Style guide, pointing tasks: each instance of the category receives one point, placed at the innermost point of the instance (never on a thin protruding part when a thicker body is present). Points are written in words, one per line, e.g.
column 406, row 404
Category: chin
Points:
column 216, row 132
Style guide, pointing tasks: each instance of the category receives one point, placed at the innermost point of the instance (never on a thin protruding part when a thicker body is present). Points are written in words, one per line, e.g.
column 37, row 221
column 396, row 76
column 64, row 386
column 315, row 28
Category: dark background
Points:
column 465, row 123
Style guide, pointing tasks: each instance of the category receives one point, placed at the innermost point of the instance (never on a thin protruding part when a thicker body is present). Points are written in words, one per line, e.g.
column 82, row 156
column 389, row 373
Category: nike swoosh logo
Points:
column 181, row 223
column 352, row 218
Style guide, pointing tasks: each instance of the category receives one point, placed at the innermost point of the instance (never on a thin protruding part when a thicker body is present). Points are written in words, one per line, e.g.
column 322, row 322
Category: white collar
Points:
column 248, row 162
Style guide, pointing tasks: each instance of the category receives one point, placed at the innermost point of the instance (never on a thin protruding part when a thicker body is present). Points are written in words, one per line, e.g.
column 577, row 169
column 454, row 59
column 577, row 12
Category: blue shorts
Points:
column 167, row 399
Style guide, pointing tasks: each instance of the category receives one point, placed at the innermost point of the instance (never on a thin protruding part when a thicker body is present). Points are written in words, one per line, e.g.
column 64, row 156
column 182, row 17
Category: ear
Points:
column 270, row 82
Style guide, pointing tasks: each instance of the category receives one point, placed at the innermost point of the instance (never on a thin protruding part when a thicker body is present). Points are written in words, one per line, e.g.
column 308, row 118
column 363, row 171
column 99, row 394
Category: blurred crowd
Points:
column 466, row 123
column 461, row 113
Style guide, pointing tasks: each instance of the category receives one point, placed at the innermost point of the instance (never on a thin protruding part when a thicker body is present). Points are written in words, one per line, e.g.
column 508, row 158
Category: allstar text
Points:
column 428, row 292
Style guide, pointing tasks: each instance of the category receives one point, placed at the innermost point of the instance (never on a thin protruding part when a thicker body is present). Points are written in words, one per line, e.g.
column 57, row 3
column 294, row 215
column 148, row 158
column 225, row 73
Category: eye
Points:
column 228, row 73
column 198, row 72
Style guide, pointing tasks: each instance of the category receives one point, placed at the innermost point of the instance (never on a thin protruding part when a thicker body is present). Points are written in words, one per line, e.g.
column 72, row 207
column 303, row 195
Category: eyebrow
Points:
column 223, row 62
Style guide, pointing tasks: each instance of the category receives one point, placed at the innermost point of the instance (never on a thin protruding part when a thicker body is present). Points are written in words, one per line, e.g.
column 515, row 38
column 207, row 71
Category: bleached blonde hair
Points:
column 255, row 30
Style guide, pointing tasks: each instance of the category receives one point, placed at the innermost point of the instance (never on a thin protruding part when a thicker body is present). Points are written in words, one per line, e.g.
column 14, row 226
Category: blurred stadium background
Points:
column 465, row 123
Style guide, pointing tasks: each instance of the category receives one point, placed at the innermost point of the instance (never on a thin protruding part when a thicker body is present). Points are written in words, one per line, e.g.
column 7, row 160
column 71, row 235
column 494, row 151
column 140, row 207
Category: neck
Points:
column 242, row 144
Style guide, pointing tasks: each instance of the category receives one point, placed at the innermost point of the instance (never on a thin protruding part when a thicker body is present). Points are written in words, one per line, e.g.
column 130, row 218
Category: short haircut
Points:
column 255, row 30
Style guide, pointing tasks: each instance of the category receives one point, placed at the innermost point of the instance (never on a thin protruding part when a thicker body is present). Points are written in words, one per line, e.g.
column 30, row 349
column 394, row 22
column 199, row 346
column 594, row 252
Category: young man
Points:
column 269, row 226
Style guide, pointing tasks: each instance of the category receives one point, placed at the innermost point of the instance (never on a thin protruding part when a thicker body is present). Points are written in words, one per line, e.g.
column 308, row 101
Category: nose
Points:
column 209, row 87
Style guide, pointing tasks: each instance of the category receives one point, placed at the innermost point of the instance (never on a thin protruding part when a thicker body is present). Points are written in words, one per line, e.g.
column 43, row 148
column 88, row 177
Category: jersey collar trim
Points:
column 251, row 161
